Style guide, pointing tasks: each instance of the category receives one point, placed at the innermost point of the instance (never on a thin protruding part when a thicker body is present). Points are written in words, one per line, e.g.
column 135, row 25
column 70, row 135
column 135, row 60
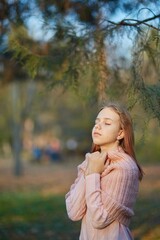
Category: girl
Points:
column 104, row 193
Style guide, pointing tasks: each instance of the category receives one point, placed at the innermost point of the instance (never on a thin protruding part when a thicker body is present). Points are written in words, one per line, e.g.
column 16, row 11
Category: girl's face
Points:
column 107, row 129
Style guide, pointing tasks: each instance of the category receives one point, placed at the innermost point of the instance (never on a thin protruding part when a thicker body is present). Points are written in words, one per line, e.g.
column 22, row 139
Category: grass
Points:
column 146, row 223
column 32, row 216
column 39, row 213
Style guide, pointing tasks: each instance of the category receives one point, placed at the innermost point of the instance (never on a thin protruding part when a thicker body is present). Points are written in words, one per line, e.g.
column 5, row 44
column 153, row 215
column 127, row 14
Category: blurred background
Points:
column 59, row 62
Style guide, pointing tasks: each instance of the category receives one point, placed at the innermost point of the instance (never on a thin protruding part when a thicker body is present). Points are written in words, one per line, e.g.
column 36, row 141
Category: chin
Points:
column 97, row 143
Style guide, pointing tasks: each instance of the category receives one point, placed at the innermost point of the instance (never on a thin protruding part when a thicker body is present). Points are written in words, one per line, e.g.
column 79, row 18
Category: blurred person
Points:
column 105, row 190
column 37, row 153
column 52, row 150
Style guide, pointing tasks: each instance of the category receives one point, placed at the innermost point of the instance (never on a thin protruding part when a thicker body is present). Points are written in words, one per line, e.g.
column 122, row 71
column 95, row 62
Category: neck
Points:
column 109, row 147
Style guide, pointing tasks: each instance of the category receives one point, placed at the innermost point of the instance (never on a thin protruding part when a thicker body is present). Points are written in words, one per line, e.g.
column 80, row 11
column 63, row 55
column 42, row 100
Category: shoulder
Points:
column 120, row 159
column 121, row 163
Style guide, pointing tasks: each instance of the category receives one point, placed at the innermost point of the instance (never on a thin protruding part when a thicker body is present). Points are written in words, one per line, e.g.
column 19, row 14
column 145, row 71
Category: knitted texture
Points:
column 105, row 202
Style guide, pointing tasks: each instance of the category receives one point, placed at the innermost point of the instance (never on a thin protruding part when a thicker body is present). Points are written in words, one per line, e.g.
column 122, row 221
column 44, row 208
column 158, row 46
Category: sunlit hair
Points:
column 127, row 143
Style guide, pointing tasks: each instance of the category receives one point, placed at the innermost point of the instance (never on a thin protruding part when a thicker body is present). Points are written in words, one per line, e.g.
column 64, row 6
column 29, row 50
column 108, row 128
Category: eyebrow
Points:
column 105, row 119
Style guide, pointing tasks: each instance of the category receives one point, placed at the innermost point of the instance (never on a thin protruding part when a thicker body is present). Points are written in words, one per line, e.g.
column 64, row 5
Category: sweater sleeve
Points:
column 75, row 198
column 112, row 203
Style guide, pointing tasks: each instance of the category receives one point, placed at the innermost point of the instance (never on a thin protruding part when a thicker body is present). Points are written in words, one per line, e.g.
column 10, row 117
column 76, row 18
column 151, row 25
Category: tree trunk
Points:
column 102, row 69
column 103, row 75
column 16, row 128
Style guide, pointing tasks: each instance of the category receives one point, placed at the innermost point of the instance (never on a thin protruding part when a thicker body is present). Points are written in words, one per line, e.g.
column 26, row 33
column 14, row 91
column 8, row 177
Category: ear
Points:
column 120, row 135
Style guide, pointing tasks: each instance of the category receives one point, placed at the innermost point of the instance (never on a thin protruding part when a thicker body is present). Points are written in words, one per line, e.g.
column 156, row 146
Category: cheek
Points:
column 92, row 131
column 111, row 132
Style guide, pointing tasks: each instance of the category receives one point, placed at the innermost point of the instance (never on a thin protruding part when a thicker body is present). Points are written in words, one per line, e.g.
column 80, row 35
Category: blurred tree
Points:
column 11, row 13
column 78, row 52
column 81, row 33
column 146, row 70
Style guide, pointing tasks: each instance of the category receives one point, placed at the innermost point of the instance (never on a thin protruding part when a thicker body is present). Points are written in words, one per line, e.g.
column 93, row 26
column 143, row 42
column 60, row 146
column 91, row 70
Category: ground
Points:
column 51, row 181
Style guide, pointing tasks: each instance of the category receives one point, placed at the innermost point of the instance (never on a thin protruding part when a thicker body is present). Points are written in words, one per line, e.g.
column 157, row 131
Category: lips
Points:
column 96, row 134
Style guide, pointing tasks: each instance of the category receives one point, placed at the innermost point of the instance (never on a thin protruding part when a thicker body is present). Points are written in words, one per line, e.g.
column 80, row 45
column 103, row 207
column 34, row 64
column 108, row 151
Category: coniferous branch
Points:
column 148, row 92
column 135, row 22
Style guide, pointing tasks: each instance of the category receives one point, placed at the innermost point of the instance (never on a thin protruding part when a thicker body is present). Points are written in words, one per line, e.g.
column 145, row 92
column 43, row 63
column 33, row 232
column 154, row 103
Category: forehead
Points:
column 108, row 113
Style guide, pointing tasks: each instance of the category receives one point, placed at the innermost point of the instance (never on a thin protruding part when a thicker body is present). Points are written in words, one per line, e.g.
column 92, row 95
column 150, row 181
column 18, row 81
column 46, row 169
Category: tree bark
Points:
column 16, row 128
column 102, row 70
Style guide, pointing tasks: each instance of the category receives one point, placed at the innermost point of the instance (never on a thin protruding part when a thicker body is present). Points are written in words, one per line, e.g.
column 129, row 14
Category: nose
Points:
column 97, row 125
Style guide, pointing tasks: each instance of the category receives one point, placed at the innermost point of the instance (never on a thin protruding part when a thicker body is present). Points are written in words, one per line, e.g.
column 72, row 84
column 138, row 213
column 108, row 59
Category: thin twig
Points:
column 135, row 22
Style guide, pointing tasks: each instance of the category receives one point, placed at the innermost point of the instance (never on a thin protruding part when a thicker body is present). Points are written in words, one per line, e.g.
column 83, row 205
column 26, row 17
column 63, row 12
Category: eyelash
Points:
column 104, row 123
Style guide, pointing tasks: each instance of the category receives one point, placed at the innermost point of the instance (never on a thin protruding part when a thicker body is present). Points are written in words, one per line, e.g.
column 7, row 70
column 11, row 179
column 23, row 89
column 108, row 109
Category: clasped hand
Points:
column 95, row 162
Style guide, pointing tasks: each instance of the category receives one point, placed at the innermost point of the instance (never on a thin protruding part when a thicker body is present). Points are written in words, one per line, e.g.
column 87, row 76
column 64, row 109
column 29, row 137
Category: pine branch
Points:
column 135, row 22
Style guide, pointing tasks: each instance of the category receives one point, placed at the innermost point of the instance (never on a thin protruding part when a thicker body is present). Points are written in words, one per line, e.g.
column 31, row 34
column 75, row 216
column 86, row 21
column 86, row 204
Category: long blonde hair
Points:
column 127, row 143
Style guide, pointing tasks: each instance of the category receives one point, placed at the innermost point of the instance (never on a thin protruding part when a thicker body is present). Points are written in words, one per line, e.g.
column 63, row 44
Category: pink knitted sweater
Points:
column 105, row 202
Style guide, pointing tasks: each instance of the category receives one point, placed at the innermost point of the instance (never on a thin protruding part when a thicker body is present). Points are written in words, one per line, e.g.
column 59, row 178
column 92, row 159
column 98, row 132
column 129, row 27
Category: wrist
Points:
column 90, row 171
column 88, row 174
